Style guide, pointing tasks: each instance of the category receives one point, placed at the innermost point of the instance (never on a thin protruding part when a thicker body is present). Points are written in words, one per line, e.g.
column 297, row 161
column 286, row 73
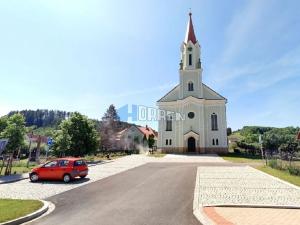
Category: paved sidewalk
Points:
column 13, row 178
column 24, row 189
column 219, row 186
column 261, row 196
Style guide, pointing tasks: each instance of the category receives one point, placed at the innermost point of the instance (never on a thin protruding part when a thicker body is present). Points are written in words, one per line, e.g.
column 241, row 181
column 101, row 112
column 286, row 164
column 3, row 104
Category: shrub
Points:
column 273, row 163
column 233, row 145
column 89, row 158
column 294, row 170
column 236, row 150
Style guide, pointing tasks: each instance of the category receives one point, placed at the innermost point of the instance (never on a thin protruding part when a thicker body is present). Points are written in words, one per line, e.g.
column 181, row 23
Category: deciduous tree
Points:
column 77, row 136
column 14, row 131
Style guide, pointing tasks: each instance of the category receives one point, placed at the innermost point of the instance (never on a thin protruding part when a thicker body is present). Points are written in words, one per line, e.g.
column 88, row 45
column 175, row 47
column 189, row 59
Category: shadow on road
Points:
column 72, row 182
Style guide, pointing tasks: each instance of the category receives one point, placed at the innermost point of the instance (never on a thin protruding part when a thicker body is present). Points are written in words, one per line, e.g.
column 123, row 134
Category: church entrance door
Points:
column 191, row 144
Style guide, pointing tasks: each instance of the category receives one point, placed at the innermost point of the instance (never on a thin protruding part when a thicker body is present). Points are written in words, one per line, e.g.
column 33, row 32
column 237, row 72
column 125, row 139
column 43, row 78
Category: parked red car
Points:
column 64, row 169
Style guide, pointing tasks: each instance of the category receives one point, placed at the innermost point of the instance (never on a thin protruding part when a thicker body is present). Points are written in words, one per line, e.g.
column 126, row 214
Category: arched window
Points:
column 190, row 86
column 217, row 141
column 213, row 141
column 214, row 122
column 170, row 141
column 169, row 123
column 167, row 141
column 190, row 59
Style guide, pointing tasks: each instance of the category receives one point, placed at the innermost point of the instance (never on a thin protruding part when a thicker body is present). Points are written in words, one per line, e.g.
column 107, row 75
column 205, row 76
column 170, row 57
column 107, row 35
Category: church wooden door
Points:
column 191, row 144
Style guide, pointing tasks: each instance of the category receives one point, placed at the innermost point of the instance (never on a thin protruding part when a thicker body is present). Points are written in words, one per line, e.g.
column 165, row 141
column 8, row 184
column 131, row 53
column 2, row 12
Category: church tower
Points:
column 202, row 125
column 190, row 64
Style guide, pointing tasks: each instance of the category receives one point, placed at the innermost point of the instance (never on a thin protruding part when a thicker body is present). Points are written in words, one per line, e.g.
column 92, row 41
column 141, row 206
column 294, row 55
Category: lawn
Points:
column 241, row 158
column 282, row 174
column 19, row 167
column 18, row 170
column 12, row 209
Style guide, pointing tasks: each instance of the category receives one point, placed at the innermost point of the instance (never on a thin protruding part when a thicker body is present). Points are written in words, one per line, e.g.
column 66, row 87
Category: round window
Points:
column 191, row 115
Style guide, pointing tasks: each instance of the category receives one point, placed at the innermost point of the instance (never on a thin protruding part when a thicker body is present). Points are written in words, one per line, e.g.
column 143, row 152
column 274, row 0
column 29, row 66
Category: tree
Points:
column 77, row 136
column 109, row 127
column 111, row 114
column 3, row 123
column 62, row 142
column 42, row 117
column 289, row 149
column 151, row 141
column 14, row 131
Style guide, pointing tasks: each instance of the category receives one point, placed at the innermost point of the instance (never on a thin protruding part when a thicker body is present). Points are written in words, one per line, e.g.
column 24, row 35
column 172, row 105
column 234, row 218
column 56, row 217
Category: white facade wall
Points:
column 200, row 124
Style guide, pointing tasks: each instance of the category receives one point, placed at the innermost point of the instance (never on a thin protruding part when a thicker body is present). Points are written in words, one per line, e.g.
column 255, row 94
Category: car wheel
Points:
column 67, row 178
column 82, row 176
column 34, row 177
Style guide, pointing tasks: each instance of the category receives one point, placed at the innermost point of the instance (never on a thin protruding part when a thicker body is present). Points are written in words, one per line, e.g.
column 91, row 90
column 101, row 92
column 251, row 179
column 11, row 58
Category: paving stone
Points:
column 243, row 186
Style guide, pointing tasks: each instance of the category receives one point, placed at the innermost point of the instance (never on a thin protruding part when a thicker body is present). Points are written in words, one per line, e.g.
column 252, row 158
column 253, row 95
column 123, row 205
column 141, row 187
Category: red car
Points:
column 64, row 169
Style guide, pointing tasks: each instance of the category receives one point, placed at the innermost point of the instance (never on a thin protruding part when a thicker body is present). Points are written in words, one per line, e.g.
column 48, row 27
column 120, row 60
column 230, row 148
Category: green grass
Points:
column 19, row 167
column 12, row 209
column 18, row 170
column 157, row 155
column 281, row 174
column 241, row 158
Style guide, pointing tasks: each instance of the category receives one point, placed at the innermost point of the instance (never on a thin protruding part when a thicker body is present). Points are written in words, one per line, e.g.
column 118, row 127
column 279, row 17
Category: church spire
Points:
column 190, row 34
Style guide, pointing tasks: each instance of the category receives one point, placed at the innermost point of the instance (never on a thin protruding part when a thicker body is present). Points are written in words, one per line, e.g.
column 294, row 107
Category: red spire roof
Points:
column 190, row 34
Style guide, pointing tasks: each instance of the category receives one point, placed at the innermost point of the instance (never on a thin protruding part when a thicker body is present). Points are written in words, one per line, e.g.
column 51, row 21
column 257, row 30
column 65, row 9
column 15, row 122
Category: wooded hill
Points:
column 44, row 122
column 42, row 117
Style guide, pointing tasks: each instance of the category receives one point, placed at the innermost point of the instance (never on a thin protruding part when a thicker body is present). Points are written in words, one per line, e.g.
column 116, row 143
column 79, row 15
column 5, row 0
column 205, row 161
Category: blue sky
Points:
column 84, row 55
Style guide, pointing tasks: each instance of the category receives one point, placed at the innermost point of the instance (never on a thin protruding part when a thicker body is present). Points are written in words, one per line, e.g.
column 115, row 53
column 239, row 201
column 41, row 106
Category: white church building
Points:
column 201, row 126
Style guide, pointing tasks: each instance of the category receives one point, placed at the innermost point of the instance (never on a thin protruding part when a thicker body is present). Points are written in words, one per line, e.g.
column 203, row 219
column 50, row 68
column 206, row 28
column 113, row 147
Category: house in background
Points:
column 135, row 138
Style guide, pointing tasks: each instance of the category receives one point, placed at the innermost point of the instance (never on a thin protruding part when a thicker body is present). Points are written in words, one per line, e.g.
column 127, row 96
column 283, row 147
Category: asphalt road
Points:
column 152, row 194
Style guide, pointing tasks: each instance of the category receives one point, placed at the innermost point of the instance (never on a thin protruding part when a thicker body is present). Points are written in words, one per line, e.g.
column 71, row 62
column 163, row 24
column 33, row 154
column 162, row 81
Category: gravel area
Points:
column 242, row 186
column 24, row 189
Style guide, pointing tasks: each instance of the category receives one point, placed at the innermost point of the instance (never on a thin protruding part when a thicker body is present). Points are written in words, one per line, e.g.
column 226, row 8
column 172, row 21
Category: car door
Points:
column 62, row 168
column 48, row 170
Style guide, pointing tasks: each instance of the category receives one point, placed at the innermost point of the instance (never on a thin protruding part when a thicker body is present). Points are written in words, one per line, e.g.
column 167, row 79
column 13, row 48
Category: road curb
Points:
column 197, row 210
column 30, row 216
